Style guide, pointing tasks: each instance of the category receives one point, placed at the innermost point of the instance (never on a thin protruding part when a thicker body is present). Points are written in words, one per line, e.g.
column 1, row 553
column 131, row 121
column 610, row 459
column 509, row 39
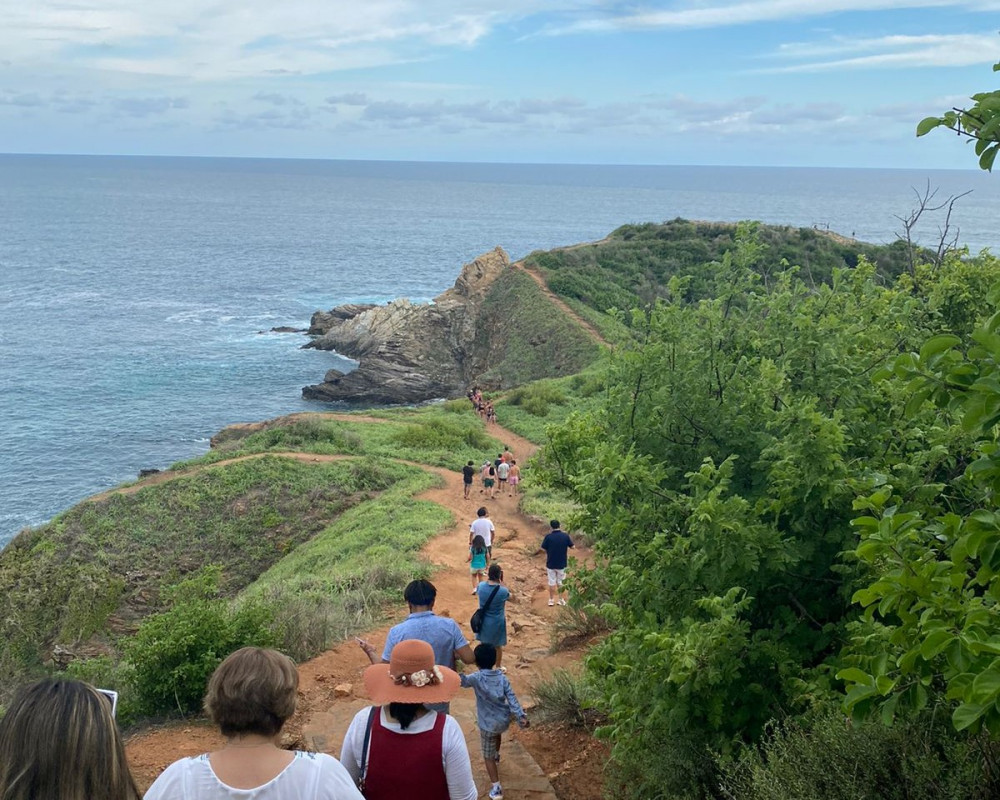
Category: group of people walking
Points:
column 59, row 739
column 482, row 406
column 499, row 476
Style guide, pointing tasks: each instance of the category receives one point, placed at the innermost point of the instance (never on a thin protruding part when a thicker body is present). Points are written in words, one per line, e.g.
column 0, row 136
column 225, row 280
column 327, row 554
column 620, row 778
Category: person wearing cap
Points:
column 399, row 746
column 441, row 633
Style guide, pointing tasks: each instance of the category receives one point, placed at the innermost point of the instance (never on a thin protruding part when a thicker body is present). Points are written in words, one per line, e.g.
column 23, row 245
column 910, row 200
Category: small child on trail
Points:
column 495, row 704
column 477, row 561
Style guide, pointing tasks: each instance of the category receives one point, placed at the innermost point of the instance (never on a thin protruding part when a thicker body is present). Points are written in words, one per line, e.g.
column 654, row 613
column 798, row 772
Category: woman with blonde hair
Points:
column 59, row 740
column 250, row 697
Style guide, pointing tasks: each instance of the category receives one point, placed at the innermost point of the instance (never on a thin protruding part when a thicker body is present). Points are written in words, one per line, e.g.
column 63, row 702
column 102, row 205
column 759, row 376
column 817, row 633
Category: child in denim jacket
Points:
column 495, row 704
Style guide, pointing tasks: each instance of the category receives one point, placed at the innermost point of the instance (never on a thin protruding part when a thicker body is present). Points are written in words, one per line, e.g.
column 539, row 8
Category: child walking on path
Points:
column 477, row 561
column 495, row 704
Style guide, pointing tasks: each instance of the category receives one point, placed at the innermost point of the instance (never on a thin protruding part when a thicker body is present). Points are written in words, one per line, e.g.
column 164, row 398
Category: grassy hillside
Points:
column 320, row 545
column 527, row 337
column 636, row 262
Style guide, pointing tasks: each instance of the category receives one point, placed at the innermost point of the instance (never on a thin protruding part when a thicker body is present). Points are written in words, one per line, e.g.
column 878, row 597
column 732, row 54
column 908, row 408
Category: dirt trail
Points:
column 557, row 301
column 327, row 705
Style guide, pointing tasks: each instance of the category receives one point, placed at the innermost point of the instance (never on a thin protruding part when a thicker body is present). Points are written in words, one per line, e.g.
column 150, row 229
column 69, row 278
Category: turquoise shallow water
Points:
column 133, row 290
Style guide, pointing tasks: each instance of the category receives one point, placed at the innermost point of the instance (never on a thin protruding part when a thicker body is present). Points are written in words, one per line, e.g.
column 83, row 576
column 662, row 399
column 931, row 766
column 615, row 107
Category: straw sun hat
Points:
column 411, row 676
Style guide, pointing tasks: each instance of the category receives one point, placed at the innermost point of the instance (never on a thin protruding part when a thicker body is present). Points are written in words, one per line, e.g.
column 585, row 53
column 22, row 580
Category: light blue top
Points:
column 495, row 700
column 441, row 633
column 478, row 559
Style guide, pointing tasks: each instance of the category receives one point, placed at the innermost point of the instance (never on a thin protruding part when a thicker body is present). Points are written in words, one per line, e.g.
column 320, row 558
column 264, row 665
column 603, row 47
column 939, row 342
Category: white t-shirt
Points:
column 310, row 776
column 454, row 753
column 482, row 526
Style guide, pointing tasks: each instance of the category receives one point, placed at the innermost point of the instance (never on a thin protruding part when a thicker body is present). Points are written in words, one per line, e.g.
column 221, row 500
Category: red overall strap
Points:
column 406, row 764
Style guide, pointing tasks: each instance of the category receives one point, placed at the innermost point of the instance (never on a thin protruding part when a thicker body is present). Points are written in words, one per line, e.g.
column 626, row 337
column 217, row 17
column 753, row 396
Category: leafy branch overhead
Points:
column 980, row 123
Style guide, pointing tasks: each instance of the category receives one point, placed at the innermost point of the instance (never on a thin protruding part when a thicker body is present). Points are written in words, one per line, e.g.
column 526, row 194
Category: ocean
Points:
column 137, row 295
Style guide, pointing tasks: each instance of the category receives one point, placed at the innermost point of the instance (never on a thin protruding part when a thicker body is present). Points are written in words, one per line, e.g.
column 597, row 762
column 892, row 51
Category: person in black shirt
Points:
column 468, row 473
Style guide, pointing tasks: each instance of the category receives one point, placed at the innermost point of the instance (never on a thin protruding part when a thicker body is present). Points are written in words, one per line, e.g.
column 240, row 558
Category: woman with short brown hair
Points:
column 250, row 697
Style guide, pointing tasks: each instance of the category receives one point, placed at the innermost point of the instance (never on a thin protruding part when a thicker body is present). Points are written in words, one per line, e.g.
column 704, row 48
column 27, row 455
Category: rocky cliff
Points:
column 410, row 352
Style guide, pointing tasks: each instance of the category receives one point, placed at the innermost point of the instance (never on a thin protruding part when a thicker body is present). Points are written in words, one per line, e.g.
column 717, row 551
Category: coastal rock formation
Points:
column 409, row 352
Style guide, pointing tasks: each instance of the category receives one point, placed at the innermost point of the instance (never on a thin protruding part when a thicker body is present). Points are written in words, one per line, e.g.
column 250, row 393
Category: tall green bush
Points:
column 717, row 482
column 173, row 654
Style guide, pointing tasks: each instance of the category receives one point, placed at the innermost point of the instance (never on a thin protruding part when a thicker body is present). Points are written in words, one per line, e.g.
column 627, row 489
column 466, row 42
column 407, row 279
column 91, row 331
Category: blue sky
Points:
column 754, row 82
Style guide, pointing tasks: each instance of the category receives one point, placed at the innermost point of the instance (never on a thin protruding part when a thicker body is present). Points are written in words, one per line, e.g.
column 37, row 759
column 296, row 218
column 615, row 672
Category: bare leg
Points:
column 499, row 660
column 491, row 770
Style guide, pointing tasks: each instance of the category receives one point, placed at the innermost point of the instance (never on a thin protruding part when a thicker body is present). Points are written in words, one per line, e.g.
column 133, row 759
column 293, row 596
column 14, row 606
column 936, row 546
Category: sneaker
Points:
column 552, row 602
column 496, row 793
column 562, row 602
column 473, row 591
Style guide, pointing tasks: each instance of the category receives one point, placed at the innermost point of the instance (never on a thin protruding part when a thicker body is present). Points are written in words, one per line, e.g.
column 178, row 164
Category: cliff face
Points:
column 409, row 353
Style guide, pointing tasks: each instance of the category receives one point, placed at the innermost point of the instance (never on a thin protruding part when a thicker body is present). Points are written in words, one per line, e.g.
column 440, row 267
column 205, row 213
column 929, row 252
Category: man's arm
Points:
column 369, row 650
column 465, row 654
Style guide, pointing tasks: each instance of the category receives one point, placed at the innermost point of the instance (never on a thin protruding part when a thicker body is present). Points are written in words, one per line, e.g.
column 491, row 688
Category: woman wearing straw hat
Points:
column 398, row 746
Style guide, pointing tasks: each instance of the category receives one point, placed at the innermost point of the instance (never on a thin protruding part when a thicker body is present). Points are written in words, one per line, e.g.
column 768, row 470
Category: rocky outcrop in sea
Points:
column 410, row 352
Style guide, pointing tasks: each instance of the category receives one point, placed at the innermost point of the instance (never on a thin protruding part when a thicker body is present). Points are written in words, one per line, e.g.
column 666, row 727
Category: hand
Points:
column 367, row 647
column 524, row 722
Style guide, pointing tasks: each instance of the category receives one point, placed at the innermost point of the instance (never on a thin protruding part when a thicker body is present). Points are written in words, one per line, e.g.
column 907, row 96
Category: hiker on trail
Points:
column 490, row 482
column 58, row 739
column 507, row 455
column 556, row 546
column 493, row 592
column 250, row 696
column 484, row 473
column 514, row 478
column 441, row 633
column 503, row 473
column 400, row 747
column 482, row 525
column 468, row 474
column 477, row 561
column 496, row 703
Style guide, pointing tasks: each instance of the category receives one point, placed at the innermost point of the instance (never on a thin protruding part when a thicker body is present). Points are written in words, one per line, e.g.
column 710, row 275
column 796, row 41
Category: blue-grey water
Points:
column 133, row 290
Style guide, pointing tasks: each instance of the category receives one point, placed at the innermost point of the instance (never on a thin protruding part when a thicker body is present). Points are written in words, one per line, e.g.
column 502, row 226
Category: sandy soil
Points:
column 541, row 762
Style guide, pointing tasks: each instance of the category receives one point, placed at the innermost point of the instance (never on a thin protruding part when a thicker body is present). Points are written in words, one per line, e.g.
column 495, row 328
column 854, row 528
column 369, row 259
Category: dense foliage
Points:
column 632, row 267
column 719, row 483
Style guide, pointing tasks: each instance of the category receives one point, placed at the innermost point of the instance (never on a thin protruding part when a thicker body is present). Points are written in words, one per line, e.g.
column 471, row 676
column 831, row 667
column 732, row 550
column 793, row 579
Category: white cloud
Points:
column 710, row 14
column 933, row 50
column 208, row 42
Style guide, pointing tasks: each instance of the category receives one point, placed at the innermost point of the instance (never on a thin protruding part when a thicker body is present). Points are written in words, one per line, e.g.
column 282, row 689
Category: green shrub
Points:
column 563, row 698
column 829, row 758
column 173, row 653
column 435, row 433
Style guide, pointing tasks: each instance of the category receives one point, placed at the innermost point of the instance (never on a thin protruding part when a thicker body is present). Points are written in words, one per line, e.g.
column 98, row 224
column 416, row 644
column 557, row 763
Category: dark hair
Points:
column 420, row 593
column 485, row 655
column 469, row 464
column 482, row 512
column 478, row 544
column 252, row 691
column 404, row 713
column 554, row 523
column 58, row 739
column 495, row 573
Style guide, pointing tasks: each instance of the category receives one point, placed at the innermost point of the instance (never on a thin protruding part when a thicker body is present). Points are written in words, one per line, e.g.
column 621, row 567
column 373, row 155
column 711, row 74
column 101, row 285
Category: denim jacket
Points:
column 495, row 700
